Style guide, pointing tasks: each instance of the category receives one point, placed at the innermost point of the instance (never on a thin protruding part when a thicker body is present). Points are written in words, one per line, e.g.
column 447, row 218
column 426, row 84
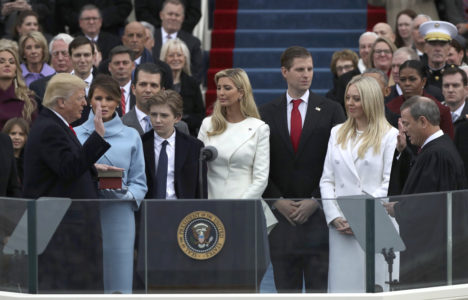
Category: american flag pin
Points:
column 317, row 108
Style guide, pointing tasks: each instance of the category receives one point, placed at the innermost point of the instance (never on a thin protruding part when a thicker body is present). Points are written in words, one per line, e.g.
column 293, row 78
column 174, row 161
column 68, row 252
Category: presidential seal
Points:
column 201, row 235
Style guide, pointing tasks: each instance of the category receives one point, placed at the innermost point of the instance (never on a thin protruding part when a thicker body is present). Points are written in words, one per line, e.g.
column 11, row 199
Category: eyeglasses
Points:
column 88, row 19
column 58, row 53
column 382, row 51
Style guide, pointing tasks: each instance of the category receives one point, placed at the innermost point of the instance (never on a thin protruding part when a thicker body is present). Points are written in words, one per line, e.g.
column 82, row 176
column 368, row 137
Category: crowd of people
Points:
column 110, row 96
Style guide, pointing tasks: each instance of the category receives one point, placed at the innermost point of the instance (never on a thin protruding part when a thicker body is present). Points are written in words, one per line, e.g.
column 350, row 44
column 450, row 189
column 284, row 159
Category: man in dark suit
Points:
column 60, row 61
column 147, row 82
column 455, row 89
column 134, row 37
column 172, row 16
column 148, row 10
column 90, row 21
column 300, row 124
column 57, row 165
column 172, row 160
column 121, row 67
column 423, row 219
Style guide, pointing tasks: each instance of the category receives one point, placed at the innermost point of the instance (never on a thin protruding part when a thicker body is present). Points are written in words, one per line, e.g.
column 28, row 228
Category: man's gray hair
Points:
column 380, row 72
column 61, row 36
column 420, row 106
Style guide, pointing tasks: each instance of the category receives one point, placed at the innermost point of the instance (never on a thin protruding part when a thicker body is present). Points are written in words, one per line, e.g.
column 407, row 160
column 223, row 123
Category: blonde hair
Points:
column 247, row 103
column 372, row 102
column 61, row 86
column 177, row 44
column 21, row 90
column 37, row 37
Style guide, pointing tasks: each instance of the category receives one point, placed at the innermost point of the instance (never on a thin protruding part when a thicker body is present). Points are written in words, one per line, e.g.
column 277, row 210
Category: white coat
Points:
column 344, row 174
column 241, row 169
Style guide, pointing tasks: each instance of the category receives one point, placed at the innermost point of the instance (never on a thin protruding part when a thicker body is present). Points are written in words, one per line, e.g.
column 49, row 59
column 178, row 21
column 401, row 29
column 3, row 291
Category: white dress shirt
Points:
column 127, row 95
column 170, row 150
column 456, row 114
column 164, row 35
column 88, row 81
column 302, row 108
column 141, row 118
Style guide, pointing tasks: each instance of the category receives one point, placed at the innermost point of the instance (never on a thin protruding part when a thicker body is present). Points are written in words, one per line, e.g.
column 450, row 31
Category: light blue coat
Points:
column 117, row 217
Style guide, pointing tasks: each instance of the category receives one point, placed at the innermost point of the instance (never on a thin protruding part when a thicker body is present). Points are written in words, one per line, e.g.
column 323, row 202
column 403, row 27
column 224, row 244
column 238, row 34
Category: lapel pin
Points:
column 317, row 108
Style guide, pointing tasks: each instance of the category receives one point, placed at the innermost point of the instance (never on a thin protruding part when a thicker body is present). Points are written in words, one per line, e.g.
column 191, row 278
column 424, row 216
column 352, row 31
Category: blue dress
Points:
column 117, row 217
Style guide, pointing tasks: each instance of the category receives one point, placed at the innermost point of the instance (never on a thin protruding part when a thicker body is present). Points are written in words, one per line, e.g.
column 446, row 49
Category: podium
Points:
column 202, row 245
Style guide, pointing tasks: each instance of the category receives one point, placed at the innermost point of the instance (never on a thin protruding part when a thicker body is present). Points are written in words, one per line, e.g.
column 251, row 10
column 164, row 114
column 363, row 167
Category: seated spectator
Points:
column 11, row 9
column 26, row 22
column 418, row 39
column 176, row 54
column 172, row 16
column 114, row 14
column 456, row 54
column 381, row 55
column 16, row 100
column 18, row 130
column 149, row 30
column 34, row 53
column 384, row 30
column 412, row 81
column 90, row 24
column 404, row 20
column 366, row 40
column 344, row 61
column 150, row 10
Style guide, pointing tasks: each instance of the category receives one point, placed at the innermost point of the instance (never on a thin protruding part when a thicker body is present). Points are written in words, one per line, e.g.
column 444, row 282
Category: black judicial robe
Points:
column 423, row 218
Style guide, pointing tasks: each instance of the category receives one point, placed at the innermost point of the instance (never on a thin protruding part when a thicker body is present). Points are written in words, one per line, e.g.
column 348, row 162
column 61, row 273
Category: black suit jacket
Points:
column 461, row 142
column 57, row 165
column 462, row 118
column 194, row 110
column 194, row 46
column 297, row 175
column 187, row 153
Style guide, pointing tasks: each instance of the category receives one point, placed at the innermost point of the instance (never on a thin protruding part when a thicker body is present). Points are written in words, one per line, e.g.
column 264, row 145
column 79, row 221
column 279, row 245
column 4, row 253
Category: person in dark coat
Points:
column 423, row 219
column 56, row 165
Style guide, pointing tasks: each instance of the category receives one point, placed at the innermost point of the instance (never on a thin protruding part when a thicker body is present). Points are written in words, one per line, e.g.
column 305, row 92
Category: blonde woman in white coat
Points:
column 358, row 161
column 241, row 169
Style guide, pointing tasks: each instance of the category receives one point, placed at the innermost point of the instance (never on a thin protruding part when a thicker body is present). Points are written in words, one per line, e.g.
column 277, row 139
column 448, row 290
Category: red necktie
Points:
column 296, row 124
column 71, row 128
column 122, row 100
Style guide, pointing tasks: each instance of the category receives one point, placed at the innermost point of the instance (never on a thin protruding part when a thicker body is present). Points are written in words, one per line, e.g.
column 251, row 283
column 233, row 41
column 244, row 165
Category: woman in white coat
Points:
column 358, row 161
column 243, row 142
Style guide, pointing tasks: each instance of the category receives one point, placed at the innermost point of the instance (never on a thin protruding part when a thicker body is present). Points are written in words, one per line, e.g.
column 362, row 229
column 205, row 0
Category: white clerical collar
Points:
column 435, row 135
column 304, row 97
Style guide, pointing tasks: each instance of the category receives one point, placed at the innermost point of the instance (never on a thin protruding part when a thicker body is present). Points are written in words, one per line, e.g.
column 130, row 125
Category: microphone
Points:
column 208, row 153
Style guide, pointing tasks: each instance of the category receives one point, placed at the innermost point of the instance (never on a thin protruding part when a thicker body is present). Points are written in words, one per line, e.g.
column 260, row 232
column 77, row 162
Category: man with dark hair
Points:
column 300, row 124
column 90, row 22
column 134, row 37
column 121, row 67
column 423, row 220
column 81, row 51
column 146, row 84
column 172, row 16
column 455, row 89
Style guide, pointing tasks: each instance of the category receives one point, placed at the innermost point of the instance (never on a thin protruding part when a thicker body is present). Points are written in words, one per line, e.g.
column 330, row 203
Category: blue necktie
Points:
column 161, row 173
column 148, row 124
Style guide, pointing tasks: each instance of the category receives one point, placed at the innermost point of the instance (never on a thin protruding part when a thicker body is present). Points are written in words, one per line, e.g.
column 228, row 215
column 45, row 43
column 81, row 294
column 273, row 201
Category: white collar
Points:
column 304, row 97
column 435, row 135
column 170, row 140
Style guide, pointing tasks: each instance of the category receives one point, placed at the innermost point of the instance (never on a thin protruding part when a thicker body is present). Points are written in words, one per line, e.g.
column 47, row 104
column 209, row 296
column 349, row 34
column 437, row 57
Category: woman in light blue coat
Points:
column 117, row 217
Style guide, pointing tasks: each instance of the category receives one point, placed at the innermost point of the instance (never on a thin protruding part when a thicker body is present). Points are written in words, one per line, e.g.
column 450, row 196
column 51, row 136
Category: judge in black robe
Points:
column 423, row 218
